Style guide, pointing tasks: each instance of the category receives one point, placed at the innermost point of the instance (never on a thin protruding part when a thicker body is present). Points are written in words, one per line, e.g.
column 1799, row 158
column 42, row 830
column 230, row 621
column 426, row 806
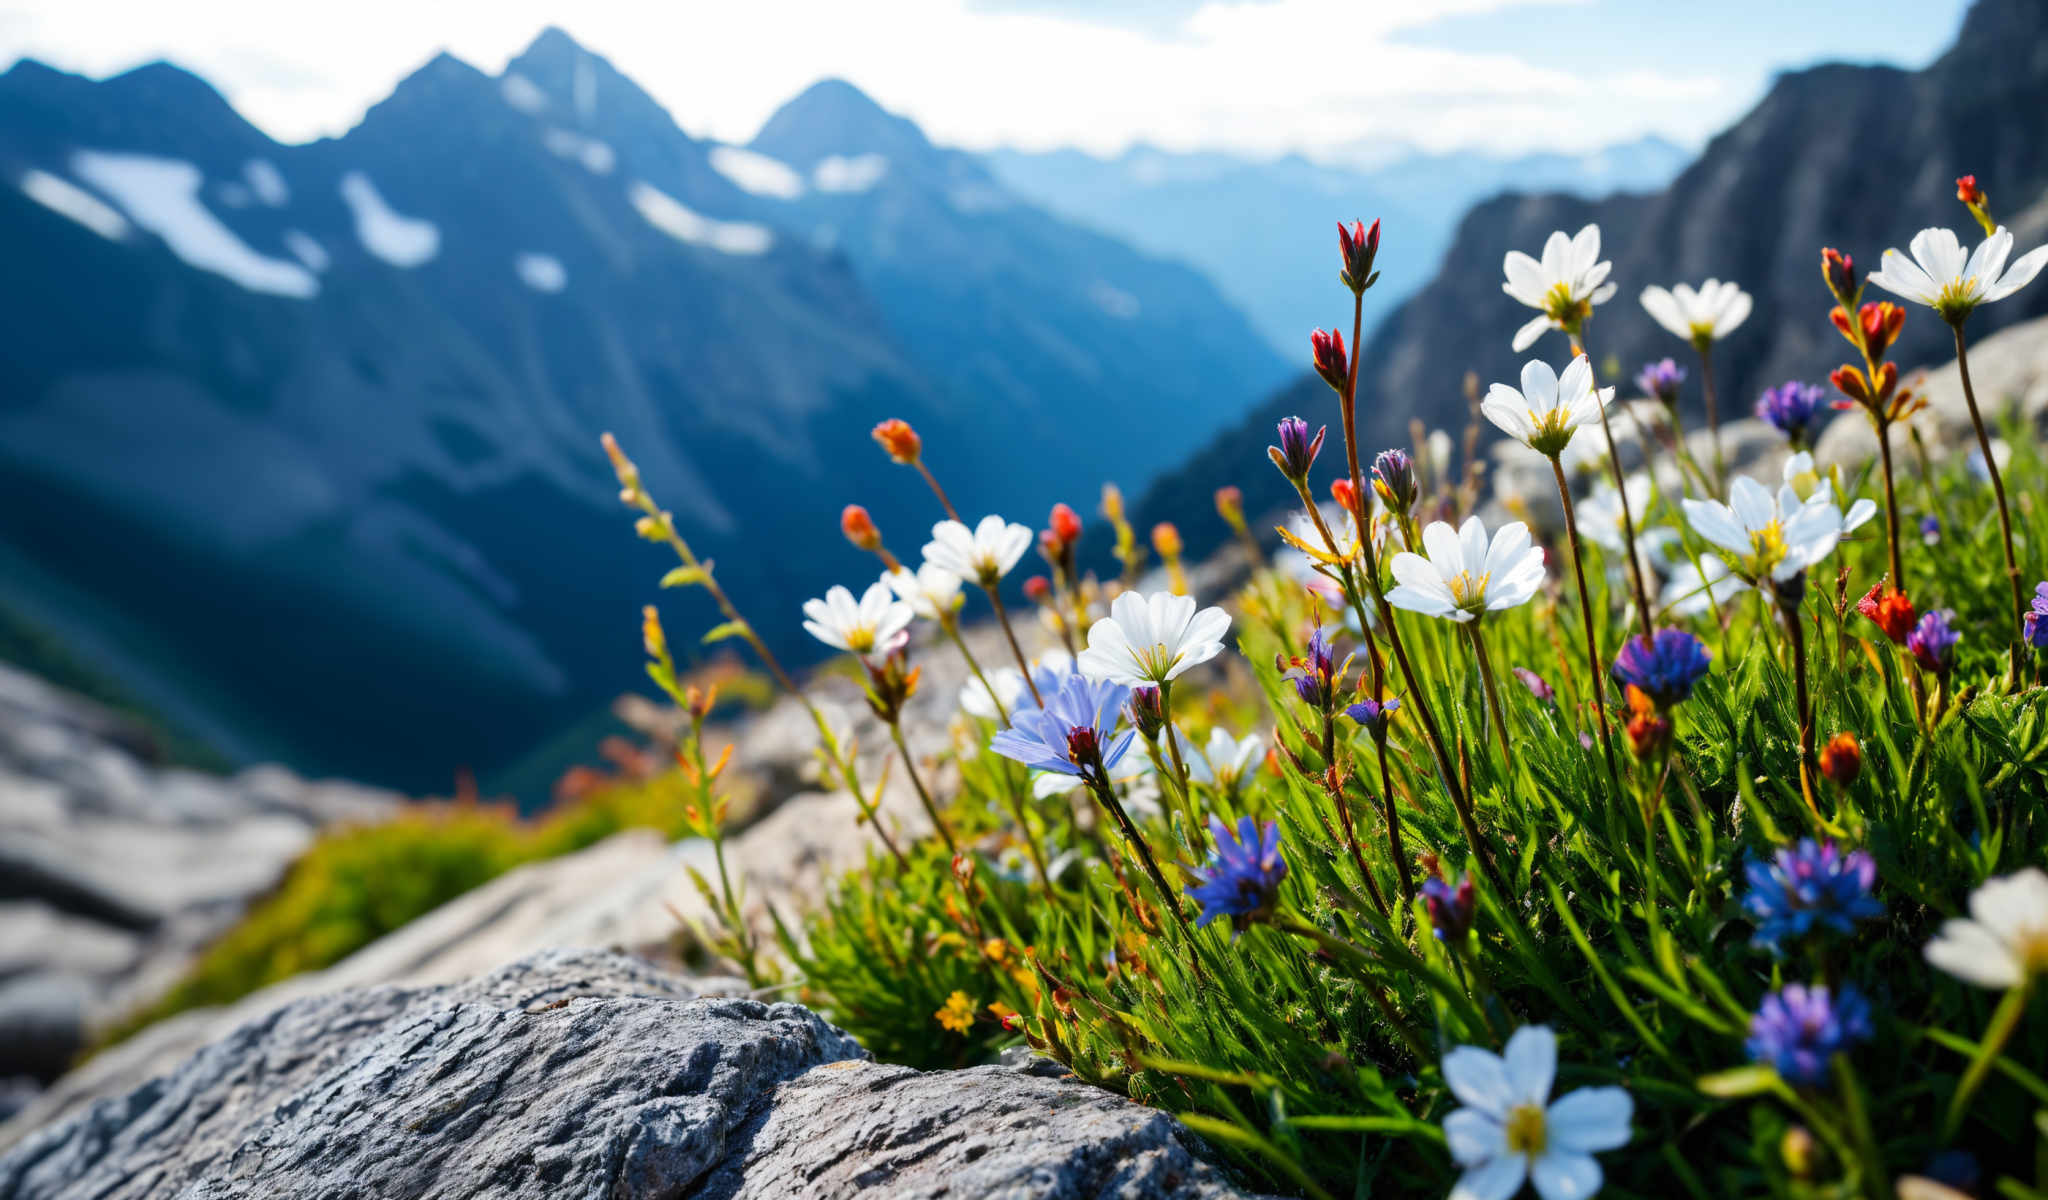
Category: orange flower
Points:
column 1841, row 759
column 899, row 439
column 1890, row 608
column 1648, row 730
column 1166, row 540
column 859, row 528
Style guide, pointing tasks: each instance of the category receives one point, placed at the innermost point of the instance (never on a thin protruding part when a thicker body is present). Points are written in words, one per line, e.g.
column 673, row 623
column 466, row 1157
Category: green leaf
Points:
column 685, row 577
column 730, row 629
column 1737, row 1082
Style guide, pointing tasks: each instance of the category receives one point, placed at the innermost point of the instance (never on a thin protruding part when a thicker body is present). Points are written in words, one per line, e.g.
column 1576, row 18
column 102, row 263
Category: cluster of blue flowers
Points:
column 1812, row 885
column 1792, row 409
column 1242, row 878
column 1663, row 666
column 1798, row 1029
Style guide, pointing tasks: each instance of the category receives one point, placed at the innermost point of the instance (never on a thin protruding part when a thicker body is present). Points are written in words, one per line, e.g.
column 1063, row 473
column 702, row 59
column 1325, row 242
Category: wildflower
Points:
column 1930, row 530
column 1451, row 907
column 1242, row 878
column 858, row 627
column 1330, row 360
column 1393, row 477
column 1696, row 588
column 1537, row 685
column 1841, row 760
column 1769, row 537
column 1798, row 1030
column 1344, row 494
column 1359, row 246
column 1230, row 505
column 859, row 528
column 2034, row 626
column 899, row 439
column 1297, row 451
column 1969, row 193
column 1664, row 665
column 1223, row 760
column 1933, row 641
column 1839, row 270
column 1037, row 589
column 1465, row 576
column 1315, row 676
column 1166, row 540
column 1791, row 408
column 1373, row 715
column 1563, row 287
column 1152, row 639
column 2003, row 943
column 1508, row 1131
column 1701, row 317
column 1661, row 380
column 1876, row 327
column 1939, row 276
column 984, row 554
column 1148, row 711
column 931, row 591
column 1074, row 734
column 1805, row 480
column 1649, row 731
column 1808, row 886
column 1600, row 513
column 1550, row 407
column 958, row 1014
column 1890, row 609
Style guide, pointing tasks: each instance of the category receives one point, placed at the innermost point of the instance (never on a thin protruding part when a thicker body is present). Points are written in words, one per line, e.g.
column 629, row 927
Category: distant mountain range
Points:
column 299, row 442
column 1263, row 229
column 1854, row 157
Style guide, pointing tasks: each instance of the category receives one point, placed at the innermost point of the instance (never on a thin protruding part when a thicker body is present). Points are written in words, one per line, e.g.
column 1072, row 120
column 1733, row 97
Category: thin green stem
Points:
column 1593, row 662
column 2012, row 562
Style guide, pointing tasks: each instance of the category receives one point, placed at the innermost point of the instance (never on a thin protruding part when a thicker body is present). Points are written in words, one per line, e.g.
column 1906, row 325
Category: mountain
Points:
column 1262, row 229
column 1854, row 157
column 299, row 442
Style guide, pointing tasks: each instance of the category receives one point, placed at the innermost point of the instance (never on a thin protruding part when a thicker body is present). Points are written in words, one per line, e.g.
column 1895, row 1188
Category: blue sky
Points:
column 1322, row 77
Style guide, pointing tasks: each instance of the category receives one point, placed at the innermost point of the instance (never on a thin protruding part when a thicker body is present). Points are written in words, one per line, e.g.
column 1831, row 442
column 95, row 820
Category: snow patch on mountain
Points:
column 541, row 272
column 60, row 195
column 392, row 236
column 306, row 250
column 838, row 173
column 669, row 215
column 757, row 173
column 596, row 157
column 522, row 93
column 162, row 196
column 266, row 182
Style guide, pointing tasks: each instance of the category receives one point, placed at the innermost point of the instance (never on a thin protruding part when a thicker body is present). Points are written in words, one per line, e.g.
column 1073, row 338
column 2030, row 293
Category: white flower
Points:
column 1008, row 682
column 1689, row 589
column 1550, row 407
column 1600, row 513
column 1774, row 537
column 2004, row 940
column 1701, row 317
column 1940, row 277
column 1225, row 759
column 1152, row 639
column 984, row 554
column 931, row 591
column 1564, row 286
column 860, row 627
column 1805, row 480
column 1509, row 1132
column 1464, row 576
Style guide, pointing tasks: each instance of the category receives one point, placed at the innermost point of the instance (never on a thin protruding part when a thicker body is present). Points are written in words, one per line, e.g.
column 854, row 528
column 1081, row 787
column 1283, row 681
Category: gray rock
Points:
column 585, row 1074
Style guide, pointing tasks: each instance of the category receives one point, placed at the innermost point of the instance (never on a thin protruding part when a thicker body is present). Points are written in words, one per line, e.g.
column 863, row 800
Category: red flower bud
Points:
column 899, row 439
column 1841, row 760
column 1344, row 494
column 1849, row 381
column 1359, row 246
column 1066, row 526
column 859, row 528
column 1648, row 730
column 1890, row 609
column 1037, row 588
column 1331, row 362
column 1968, row 192
column 1166, row 540
column 1230, row 504
column 1881, row 323
column 1839, row 270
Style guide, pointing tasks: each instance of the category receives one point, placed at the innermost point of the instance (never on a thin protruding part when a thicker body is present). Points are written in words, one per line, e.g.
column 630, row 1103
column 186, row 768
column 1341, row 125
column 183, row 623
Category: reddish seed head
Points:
column 1330, row 359
column 1066, row 525
column 1841, row 759
column 1230, row 504
column 859, row 528
column 1968, row 192
column 899, row 439
column 1038, row 587
column 1166, row 540
column 1890, row 609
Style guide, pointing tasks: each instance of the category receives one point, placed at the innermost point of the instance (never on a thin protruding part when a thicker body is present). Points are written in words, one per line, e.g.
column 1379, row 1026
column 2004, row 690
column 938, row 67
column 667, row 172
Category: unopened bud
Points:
column 651, row 635
column 1841, row 760
column 1148, row 713
column 1038, row 588
column 1800, row 1152
column 629, row 475
column 1967, row 190
column 1330, row 360
column 1649, row 731
column 1166, row 540
column 1230, row 505
column 1297, row 451
column 1839, row 271
column 1358, row 246
column 1393, row 477
column 859, row 528
column 1345, row 495
column 900, row 440
column 1066, row 525
column 1112, row 503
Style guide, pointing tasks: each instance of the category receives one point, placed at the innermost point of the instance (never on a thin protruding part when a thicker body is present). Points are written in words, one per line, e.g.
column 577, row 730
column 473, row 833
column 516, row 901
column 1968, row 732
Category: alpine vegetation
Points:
column 1689, row 844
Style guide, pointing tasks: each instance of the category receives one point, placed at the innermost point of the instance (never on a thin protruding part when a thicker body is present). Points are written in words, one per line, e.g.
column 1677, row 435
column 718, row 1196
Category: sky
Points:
column 1328, row 78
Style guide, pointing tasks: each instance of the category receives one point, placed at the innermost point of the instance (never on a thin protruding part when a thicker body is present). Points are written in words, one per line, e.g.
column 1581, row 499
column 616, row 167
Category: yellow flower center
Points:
column 860, row 639
column 2031, row 948
column 1469, row 590
column 1767, row 547
column 1526, row 1133
column 1565, row 309
column 1957, row 298
column 1155, row 660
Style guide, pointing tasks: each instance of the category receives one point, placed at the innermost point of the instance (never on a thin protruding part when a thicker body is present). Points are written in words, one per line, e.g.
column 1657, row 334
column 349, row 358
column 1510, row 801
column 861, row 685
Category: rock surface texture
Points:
column 587, row 1074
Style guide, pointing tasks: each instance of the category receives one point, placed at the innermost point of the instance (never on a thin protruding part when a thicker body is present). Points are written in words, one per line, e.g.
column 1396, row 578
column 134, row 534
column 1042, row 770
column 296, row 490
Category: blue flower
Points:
column 1393, row 477
column 1791, row 408
column 1242, row 880
column 1661, row 380
column 1664, row 666
column 1933, row 641
column 1314, row 676
column 1451, row 907
column 1807, row 886
column 1930, row 530
column 1073, row 733
column 2036, row 621
column 1798, row 1029
column 1374, row 714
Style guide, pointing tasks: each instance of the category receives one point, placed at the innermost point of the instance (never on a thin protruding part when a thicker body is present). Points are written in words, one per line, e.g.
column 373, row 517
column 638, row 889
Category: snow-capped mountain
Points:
column 300, row 441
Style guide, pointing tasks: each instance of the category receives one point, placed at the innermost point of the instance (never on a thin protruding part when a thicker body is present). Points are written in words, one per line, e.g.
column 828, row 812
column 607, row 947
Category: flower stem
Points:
column 952, row 628
column 1180, row 767
column 1571, row 526
column 2004, row 1022
column 1797, row 634
column 2012, row 564
column 1393, row 819
column 931, row 809
column 1492, row 690
column 1628, row 520
column 932, row 481
column 1106, row 795
column 1891, row 505
column 995, row 598
column 1713, row 421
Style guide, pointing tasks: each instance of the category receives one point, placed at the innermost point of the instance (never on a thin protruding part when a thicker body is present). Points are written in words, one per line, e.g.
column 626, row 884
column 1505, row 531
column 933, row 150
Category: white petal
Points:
column 1418, row 574
column 1663, row 309
column 1525, row 279
column 1446, row 552
column 1526, row 336
column 1531, row 1059
column 2012, row 907
column 1561, row 1175
column 1903, row 277
column 1972, row 954
column 1479, row 1079
column 1539, row 385
column 1504, row 407
column 1496, row 1180
column 1590, row 1119
column 1474, row 1137
column 1429, row 604
column 1735, row 314
column 2019, row 275
column 1716, row 523
column 1989, row 258
column 1751, row 504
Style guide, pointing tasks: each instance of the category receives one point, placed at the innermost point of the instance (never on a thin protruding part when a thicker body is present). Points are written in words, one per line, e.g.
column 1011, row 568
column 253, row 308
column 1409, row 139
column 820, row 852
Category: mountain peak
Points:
column 833, row 117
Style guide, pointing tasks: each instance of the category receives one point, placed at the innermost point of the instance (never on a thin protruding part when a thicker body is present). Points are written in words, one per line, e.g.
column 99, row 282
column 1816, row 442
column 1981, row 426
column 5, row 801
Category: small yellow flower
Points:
column 958, row 1015
column 996, row 949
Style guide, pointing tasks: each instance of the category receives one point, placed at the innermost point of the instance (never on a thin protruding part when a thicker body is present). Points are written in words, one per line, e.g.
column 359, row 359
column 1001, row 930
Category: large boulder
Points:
column 588, row 1074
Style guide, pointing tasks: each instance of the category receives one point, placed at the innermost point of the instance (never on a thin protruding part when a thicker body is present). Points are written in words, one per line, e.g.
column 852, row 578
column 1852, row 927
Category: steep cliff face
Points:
column 1853, row 157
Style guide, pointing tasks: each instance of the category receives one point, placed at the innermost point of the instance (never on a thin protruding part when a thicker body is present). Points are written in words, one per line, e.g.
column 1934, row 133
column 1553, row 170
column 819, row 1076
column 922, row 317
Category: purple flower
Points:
column 1374, row 714
column 1665, row 666
column 1536, row 684
column 1791, row 408
column 1072, row 734
column 2036, row 620
column 1661, row 380
column 1798, row 1029
column 1930, row 530
column 1933, row 641
column 1148, row 711
column 1393, row 477
column 1315, row 676
column 1297, row 451
column 1242, row 880
column 1451, row 907
column 1807, row 886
